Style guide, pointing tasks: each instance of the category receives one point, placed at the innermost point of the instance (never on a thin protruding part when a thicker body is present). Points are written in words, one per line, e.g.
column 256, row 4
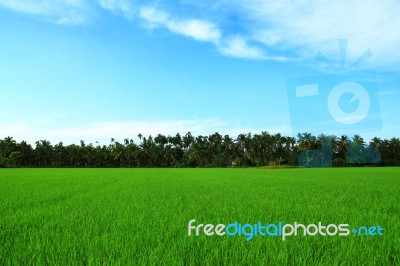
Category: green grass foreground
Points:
column 140, row 216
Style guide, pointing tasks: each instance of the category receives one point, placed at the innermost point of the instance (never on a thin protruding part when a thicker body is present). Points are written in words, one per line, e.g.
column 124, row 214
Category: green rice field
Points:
column 141, row 216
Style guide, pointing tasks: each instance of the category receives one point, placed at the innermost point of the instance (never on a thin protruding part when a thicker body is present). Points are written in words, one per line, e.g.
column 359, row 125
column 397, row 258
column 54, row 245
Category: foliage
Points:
column 3, row 162
column 215, row 150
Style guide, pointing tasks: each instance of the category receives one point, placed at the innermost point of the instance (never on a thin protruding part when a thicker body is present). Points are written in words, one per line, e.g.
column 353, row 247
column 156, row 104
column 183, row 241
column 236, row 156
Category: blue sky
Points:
column 92, row 70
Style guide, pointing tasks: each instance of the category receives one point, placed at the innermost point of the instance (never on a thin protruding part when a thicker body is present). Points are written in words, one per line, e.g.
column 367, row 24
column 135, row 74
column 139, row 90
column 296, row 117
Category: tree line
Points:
column 214, row 150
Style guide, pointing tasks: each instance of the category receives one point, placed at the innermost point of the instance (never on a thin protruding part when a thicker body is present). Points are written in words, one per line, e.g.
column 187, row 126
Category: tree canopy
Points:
column 214, row 150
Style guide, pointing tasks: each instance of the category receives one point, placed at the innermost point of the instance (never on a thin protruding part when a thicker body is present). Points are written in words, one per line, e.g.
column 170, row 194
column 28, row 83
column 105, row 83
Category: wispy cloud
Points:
column 389, row 92
column 103, row 131
column 201, row 30
column 273, row 30
column 238, row 47
column 309, row 27
column 66, row 12
column 30, row 7
column 257, row 29
column 50, row 119
column 302, row 29
column 72, row 18
column 16, row 129
column 124, row 7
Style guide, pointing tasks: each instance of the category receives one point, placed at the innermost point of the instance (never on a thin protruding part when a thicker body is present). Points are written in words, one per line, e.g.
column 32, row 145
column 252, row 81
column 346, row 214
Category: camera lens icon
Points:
column 344, row 103
column 359, row 94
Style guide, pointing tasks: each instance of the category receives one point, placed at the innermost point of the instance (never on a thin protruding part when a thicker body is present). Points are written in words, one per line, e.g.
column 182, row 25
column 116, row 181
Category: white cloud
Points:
column 30, row 7
column 389, row 92
column 295, row 30
column 11, row 130
column 269, row 30
column 126, row 7
column 103, row 131
column 309, row 27
column 282, row 31
column 238, row 47
column 50, row 119
column 65, row 12
column 72, row 18
column 201, row 30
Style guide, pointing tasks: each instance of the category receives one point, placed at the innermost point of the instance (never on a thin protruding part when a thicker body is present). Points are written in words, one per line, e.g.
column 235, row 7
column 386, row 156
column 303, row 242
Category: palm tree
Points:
column 119, row 154
column 198, row 151
column 227, row 145
column 187, row 141
column 44, row 153
column 375, row 142
column 7, row 146
column 394, row 145
column 342, row 146
column 356, row 150
column 60, row 154
column 213, row 150
column 306, row 141
column 358, row 140
column 241, row 149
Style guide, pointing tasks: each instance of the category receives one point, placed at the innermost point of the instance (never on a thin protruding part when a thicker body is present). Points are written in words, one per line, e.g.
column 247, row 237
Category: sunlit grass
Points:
column 140, row 216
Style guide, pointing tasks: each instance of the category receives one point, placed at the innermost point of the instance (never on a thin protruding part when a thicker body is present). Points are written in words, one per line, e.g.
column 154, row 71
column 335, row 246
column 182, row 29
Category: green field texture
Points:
column 140, row 216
